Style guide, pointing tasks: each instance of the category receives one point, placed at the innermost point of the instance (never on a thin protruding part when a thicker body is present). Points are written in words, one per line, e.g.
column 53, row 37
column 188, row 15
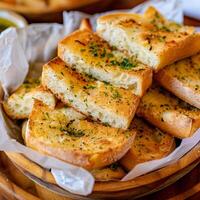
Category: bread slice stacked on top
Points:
column 182, row 79
column 155, row 41
column 86, row 52
column 84, row 110
column 101, row 101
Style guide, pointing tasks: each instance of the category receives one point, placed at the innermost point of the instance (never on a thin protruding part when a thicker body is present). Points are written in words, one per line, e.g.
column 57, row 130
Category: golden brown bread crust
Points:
column 86, row 52
column 77, row 141
column 149, row 144
column 19, row 104
column 163, row 41
column 189, row 46
column 182, row 79
column 176, row 50
column 101, row 101
column 169, row 113
column 11, row 103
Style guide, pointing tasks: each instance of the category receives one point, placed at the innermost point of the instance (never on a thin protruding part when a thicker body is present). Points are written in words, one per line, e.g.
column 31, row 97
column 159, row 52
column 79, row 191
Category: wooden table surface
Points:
column 187, row 187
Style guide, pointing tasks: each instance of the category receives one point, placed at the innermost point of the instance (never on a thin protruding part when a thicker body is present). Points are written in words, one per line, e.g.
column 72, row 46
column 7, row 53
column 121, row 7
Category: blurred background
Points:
column 51, row 10
column 35, row 11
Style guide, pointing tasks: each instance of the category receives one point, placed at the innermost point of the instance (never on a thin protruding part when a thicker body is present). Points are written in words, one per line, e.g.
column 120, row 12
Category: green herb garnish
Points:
column 116, row 95
column 103, row 54
column 94, row 48
column 89, row 87
column 72, row 131
column 124, row 64
column 162, row 38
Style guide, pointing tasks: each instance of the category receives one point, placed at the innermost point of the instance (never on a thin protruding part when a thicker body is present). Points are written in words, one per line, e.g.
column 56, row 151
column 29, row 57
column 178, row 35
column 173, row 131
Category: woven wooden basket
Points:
column 137, row 187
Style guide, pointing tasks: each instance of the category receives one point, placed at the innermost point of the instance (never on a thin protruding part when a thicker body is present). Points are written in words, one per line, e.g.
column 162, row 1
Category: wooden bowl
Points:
column 137, row 187
column 9, row 189
column 53, row 13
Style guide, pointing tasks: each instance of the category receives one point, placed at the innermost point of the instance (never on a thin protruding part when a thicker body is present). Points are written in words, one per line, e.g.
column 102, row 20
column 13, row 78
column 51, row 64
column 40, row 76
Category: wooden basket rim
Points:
column 10, row 187
column 48, row 9
column 111, row 186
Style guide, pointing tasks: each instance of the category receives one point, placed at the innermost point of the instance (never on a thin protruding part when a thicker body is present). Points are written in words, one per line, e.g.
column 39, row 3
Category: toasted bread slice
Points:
column 169, row 113
column 86, row 52
column 183, row 79
column 154, row 40
column 101, row 101
column 71, row 138
column 112, row 173
column 19, row 104
column 149, row 144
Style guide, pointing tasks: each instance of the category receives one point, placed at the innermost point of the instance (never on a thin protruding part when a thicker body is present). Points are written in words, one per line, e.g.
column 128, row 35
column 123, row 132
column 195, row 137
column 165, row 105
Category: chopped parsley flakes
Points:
column 89, row 87
column 72, row 131
column 124, row 64
column 116, row 95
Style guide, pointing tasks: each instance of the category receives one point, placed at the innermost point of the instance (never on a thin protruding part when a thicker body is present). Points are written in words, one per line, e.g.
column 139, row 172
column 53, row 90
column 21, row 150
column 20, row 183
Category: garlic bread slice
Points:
column 112, row 172
column 152, row 38
column 71, row 138
column 150, row 144
column 19, row 104
column 169, row 113
column 86, row 52
column 183, row 79
column 102, row 101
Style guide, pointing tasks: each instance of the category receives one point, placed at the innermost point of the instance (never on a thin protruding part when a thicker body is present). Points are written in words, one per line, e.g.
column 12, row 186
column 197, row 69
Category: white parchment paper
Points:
column 171, row 9
column 36, row 43
column 191, row 8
